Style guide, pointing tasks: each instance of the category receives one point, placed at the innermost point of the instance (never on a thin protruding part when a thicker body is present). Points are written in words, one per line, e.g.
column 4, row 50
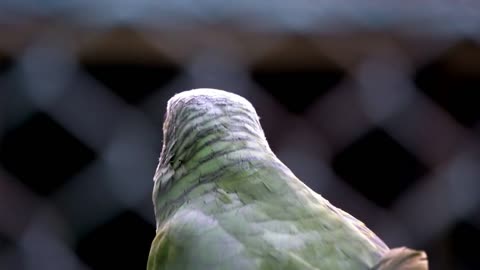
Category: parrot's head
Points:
column 195, row 120
column 192, row 113
column 198, row 106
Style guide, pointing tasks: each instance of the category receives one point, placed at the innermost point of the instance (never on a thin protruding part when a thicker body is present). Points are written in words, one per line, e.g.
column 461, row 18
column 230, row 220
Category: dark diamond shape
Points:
column 6, row 63
column 122, row 243
column 41, row 154
column 296, row 74
column 463, row 237
column 128, row 64
column 132, row 81
column 5, row 243
column 297, row 89
column 453, row 82
column 378, row 167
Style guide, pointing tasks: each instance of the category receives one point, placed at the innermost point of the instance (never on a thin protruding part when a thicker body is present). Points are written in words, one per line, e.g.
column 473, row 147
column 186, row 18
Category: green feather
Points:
column 223, row 200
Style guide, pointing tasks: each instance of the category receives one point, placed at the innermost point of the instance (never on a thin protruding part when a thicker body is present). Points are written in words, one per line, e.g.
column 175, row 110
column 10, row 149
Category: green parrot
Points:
column 223, row 200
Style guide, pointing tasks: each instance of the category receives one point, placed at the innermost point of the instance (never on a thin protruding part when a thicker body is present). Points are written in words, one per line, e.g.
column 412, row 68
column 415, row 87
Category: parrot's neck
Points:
column 203, row 149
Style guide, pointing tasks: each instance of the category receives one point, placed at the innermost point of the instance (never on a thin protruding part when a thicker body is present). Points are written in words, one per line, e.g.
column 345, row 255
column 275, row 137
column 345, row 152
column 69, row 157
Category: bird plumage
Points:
column 223, row 200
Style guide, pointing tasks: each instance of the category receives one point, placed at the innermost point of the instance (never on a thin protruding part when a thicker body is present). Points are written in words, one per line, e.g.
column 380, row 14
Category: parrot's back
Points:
column 223, row 200
column 285, row 226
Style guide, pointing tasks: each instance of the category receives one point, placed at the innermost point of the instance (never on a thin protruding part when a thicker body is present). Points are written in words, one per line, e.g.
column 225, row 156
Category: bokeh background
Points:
column 375, row 105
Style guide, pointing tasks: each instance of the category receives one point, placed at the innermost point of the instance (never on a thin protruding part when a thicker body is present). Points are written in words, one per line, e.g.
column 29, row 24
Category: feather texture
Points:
column 223, row 200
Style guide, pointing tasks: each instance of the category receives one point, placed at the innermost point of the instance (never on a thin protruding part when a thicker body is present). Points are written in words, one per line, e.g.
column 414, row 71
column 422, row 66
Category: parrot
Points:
column 223, row 200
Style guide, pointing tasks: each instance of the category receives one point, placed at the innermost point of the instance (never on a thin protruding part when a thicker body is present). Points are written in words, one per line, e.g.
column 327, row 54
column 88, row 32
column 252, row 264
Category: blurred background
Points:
column 376, row 106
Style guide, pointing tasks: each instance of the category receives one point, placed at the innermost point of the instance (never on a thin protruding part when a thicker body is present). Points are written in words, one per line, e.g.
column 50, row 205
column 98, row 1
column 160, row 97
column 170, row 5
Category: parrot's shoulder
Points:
column 161, row 250
column 354, row 224
column 191, row 239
